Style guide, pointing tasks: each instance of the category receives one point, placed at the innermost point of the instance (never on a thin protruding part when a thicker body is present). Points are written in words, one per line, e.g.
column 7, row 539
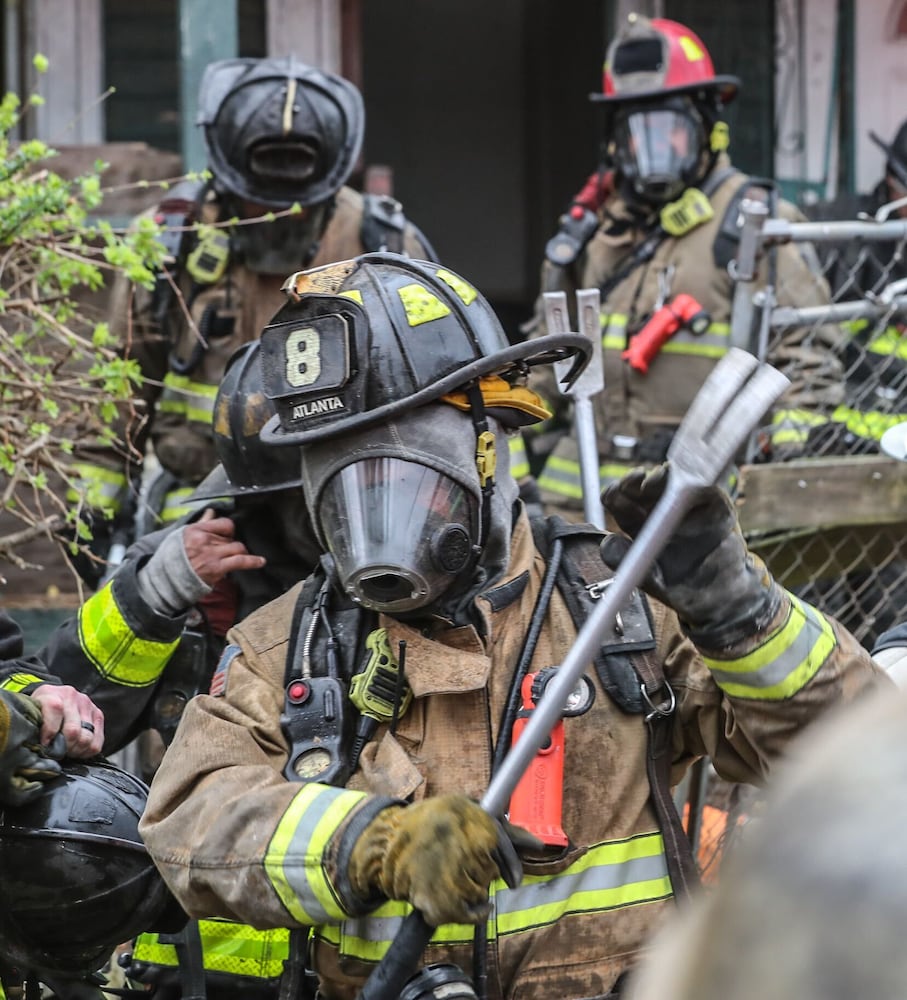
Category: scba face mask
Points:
column 282, row 245
column 400, row 532
column 658, row 150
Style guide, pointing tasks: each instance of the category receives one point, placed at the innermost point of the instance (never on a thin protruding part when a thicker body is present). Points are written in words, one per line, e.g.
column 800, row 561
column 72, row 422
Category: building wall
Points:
column 808, row 139
column 881, row 81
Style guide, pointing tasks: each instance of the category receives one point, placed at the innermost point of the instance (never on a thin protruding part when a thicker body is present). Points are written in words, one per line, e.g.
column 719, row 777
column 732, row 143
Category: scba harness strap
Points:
column 629, row 673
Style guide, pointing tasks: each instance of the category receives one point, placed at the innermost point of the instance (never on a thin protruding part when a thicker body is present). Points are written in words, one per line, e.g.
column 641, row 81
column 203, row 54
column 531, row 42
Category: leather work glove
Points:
column 23, row 764
column 721, row 592
column 440, row 854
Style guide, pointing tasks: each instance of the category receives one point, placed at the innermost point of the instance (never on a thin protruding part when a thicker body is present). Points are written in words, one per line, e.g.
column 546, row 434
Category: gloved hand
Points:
column 23, row 766
column 440, row 854
column 719, row 589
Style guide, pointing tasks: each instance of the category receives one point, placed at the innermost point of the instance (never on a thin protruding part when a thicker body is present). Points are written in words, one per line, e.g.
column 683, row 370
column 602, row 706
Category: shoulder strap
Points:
column 582, row 580
column 633, row 676
column 724, row 248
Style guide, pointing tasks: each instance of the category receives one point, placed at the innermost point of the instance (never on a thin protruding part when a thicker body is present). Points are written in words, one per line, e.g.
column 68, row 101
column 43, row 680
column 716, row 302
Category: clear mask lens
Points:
column 399, row 532
column 657, row 150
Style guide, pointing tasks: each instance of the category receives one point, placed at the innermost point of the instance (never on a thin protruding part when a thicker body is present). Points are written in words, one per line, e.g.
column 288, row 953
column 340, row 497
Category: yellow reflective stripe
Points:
column 368, row 938
column 793, row 426
column 235, row 949
column 889, row 342
column 784, row 663
column 609, row 876
column 175, row 504
column 194, row 400
column 519, row 459
column 713, row 343
column 98, row 486
column 293, row 860
column 564, row 476
column 420, row 304
column 866, row 423
column 20, row 681
column 117, row 653
column 614, row 325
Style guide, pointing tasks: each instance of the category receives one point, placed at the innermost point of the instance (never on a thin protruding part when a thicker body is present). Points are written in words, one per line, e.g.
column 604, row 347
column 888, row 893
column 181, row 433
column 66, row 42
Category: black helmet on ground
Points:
column 77, row 879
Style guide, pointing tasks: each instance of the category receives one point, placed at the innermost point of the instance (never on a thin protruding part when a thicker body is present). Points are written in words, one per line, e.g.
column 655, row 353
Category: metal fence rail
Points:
column 830, row 519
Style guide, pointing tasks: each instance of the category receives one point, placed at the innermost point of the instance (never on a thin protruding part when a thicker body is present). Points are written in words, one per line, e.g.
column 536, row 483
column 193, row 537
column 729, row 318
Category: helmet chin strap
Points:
column 486, row 461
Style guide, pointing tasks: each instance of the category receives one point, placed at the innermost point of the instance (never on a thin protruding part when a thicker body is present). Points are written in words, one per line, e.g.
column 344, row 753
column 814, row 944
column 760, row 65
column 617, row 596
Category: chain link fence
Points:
column 829, row 519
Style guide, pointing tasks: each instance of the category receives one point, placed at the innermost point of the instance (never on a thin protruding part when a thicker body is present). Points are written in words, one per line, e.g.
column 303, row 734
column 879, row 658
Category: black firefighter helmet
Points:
column 279, row 132
column 76, row 877
column 247, row 466
column 364, row 340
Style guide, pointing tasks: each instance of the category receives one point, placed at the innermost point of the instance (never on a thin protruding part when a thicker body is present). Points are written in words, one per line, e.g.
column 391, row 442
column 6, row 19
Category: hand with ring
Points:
column 73, row 714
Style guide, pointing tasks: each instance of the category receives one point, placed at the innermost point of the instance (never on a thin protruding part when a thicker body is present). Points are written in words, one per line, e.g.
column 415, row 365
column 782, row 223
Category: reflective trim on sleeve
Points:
column 20, row 681
column 783, row 664
column 563, row 476
column 193, row 400
column 609, row 876
column 234, row 949
column 117, row 653
column 98, row 487
column 175, row 504
column 519, row 459
column 294, row 858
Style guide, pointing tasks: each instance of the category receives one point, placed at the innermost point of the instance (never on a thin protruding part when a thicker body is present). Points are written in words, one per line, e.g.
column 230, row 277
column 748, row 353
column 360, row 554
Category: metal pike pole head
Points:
column 588, row 383
column 727, row 408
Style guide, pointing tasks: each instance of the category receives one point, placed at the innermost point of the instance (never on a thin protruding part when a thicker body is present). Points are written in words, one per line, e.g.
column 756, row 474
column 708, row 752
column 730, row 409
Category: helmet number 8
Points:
column 303, row 357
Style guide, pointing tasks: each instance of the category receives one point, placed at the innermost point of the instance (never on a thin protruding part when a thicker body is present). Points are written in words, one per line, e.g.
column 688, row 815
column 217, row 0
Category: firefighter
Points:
column 282, row 140
column 149, row 639
column 331, row 774
column 657, row 233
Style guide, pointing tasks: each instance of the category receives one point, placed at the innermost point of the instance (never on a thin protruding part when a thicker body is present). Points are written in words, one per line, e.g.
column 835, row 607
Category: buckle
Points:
column 664, row 709
column 596, row 592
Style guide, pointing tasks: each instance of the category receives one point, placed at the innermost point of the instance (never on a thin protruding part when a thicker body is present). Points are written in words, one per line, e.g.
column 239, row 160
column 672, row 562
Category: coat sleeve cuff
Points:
column 340, row 851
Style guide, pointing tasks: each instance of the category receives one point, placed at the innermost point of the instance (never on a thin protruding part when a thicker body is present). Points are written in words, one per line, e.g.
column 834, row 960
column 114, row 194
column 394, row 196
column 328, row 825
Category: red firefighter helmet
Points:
column 654, row 57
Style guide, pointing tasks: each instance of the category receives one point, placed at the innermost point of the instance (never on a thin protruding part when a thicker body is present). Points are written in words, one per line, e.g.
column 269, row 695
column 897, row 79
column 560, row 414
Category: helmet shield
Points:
column 658, row 150
column 399, row 532
column 369, row 338
column 279, row 132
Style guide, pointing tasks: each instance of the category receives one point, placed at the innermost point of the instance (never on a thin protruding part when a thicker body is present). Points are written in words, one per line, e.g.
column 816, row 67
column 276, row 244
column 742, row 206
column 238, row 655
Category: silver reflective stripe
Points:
column 597, row 879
